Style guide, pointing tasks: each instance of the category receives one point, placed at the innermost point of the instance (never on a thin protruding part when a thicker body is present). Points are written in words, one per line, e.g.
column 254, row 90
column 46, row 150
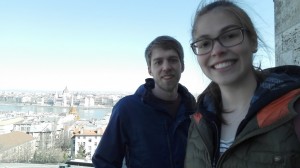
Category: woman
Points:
column 246, row 117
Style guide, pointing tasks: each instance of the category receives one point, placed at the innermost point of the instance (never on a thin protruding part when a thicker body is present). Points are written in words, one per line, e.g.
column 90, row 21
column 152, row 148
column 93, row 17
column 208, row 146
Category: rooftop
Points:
column 14, row 139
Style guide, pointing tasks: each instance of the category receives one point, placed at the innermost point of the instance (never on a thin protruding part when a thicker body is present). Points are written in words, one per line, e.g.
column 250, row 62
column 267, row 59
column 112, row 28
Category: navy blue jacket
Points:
column 144, row 132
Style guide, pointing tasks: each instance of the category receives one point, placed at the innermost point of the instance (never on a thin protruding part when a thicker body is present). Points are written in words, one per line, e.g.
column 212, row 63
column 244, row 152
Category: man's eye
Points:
column 157, row 62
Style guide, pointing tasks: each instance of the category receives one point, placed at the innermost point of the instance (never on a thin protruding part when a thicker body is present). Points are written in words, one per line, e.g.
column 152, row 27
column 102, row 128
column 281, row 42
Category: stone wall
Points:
column 287, row 32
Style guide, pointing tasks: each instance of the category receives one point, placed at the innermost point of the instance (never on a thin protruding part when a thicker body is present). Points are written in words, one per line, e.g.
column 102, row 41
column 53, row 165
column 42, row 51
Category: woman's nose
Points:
column 217, row 48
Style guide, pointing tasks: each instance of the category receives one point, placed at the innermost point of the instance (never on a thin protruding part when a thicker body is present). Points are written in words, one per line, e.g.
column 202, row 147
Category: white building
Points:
column 26, row 99
column 86, row 138
column 42, row 131
column 40, row 101
column 89, row 101
column 7, row 125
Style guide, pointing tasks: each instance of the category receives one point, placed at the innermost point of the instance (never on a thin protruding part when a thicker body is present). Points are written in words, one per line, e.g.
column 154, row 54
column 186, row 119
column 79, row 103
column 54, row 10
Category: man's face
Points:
column 166, row 69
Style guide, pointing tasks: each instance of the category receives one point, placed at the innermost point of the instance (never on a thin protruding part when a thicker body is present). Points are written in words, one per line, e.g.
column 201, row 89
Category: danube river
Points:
column 84, row 112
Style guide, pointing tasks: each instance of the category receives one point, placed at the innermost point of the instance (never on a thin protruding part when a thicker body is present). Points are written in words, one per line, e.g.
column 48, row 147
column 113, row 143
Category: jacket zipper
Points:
column 169, row 145
column 217, row 145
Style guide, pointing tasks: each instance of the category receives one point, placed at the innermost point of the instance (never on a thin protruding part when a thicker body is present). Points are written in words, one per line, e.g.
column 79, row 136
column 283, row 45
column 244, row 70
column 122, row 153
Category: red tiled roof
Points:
column 14, row 139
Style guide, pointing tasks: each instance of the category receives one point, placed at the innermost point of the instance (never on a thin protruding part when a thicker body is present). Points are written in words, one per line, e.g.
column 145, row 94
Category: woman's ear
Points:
column 254, row 50
column 254, row 45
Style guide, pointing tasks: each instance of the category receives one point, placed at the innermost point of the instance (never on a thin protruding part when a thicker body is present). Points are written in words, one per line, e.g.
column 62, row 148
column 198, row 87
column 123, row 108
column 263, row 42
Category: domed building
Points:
column 66, row 91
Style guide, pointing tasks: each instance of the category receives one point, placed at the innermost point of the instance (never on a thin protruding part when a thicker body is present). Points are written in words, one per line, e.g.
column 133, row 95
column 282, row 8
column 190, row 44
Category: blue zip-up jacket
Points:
column 144, row 133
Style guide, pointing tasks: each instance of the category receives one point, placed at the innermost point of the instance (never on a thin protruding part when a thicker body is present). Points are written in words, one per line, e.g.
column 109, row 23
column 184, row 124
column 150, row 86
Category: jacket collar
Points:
column 278, row 82
column 144, row 92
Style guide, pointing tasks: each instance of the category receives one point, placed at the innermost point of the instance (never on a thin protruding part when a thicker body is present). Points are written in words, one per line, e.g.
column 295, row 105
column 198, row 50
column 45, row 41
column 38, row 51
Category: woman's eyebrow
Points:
column 206, row 36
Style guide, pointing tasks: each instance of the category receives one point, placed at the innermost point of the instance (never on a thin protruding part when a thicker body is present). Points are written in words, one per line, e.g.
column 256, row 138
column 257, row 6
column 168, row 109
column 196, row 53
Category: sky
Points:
column 93, row 45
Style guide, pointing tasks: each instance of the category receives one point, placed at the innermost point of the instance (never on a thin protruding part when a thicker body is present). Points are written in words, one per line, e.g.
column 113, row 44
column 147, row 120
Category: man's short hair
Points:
column 165, row 43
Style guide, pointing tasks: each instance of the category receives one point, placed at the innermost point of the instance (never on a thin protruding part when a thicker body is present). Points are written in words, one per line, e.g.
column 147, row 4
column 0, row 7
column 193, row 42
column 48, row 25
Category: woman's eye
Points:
column 230, row 35
column 204, row 44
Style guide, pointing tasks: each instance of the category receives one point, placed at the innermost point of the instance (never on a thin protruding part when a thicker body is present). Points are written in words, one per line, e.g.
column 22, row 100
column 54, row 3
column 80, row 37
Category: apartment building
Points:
column 7, row 125
column 85, row 140
column 16, row 147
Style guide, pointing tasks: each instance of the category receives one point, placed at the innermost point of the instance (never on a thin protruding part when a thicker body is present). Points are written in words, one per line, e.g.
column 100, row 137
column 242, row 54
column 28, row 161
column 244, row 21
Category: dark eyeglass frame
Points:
column 193, row 46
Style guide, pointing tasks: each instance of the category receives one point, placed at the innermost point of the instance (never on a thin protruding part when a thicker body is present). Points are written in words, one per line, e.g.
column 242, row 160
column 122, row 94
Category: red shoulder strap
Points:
column 197, row 117
column 276, row 109
column 297, row 120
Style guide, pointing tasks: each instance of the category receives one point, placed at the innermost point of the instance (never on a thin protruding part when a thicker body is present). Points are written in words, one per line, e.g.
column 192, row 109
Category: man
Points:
column 149, row 128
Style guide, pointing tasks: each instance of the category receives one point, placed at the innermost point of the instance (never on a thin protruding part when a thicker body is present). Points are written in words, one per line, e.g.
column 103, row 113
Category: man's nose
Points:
column 166, row 65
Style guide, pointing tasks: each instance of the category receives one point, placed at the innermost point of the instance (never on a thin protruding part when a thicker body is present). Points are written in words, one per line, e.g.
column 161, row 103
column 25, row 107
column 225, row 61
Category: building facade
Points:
column 287, row 32
column 16, row 147
column 85, row 142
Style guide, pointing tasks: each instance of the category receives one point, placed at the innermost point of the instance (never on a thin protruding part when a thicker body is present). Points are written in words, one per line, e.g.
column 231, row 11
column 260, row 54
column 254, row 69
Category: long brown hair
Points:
column 213, row 89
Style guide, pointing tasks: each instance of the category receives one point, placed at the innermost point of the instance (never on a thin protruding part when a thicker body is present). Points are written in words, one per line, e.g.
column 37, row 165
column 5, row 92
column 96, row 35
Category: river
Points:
column 84, row 112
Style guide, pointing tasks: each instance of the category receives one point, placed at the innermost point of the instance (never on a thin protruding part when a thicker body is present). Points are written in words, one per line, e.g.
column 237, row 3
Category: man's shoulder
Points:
column 128, row 100
column 183, row 90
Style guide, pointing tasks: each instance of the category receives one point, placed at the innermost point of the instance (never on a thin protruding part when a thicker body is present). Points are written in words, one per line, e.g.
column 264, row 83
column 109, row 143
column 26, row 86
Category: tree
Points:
column 51, row 155
column 63, row 141
column 81, row 154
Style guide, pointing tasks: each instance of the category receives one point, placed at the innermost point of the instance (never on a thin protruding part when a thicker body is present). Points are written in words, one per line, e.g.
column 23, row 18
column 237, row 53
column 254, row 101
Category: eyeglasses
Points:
column 228, row 38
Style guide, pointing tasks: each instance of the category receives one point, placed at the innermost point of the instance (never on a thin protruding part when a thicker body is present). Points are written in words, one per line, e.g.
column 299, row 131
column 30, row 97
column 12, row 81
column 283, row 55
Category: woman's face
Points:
column 224, row 65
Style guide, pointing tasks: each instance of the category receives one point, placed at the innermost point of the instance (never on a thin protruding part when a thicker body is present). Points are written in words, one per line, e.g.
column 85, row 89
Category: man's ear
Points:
column 149, row 71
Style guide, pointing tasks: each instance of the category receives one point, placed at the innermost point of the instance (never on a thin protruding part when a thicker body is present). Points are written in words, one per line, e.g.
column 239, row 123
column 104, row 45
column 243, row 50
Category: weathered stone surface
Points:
column 287, row 32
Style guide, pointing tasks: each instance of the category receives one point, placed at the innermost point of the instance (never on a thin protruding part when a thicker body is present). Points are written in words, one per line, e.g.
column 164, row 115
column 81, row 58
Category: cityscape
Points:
column 53, row 127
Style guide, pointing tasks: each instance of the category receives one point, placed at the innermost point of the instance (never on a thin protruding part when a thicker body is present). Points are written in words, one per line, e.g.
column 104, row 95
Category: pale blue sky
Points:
column 99, row 45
